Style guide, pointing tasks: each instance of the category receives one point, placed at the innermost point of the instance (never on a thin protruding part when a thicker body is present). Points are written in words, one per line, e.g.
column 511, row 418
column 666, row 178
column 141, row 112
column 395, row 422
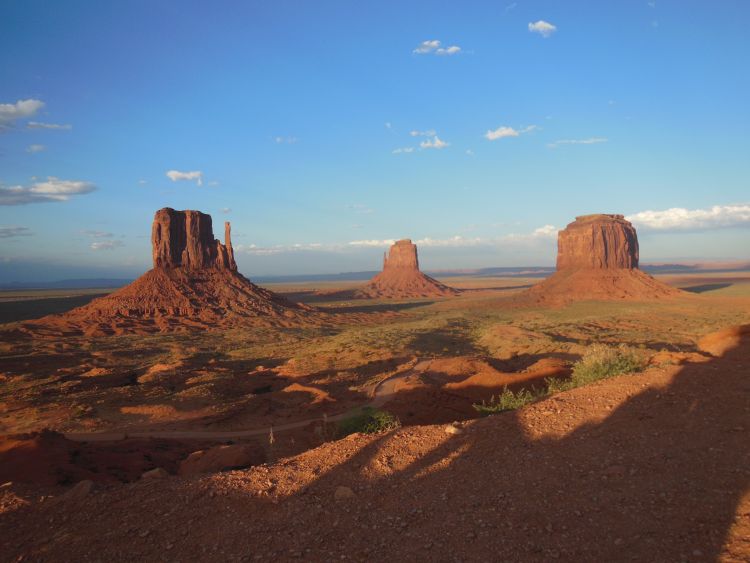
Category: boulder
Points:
column 222, row 458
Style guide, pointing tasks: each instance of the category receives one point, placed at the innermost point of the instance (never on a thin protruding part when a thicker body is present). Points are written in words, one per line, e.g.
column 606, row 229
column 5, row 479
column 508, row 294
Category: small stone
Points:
column 157, row 473
column 79, row 491
column 618, row 541
column 343, row 493
column 450, row 429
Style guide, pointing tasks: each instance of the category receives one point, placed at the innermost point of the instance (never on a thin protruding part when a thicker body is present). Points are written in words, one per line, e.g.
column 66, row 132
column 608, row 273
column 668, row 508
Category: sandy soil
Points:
column 647, row 467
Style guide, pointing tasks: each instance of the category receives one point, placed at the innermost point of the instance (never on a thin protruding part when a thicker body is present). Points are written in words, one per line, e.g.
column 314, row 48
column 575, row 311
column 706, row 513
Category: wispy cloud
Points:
column 433, row 47
column 55, row 126
column 427, row 133
column 402, row 150
column 13, row 231
column 434, row 143
column 35, row 148
column 142, row 182
column 176, row 175
column 226, row 210
column 97, row 234
column 106, row 244
column 53, row 189
column 360, row 208
column 681, row 219
column 543, row 28
column 388, row 125
column 511, row 6
column 281, row 140
column 504, row 131
column 589, row 141
column 22, row 109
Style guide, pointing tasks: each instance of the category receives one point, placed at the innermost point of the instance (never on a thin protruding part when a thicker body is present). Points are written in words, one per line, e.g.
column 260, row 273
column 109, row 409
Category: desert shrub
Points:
column 506, row 401
column 601, row 361
column 368, row 421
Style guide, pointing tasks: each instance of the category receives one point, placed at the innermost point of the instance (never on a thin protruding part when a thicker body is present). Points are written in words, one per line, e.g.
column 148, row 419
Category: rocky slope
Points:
column 645, row 467
column 401, row 277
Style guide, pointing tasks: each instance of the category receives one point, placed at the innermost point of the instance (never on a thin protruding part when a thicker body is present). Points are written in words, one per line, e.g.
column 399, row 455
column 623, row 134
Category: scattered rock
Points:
column 79, row 491
column 157, row 473
column 450, row 429
column 222, row 458
column 343, row 493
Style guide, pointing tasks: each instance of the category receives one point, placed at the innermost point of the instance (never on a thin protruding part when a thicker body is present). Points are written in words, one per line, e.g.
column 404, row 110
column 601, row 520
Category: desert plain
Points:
column 178, row 440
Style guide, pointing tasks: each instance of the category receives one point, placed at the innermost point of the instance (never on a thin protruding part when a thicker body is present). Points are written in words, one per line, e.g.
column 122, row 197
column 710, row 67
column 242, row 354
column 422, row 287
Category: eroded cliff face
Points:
column 598, row 242
column 185, row 239
column 401, row 256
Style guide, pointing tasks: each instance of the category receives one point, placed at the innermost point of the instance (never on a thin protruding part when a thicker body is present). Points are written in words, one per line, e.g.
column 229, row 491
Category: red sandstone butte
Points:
column 597, row 259
column 194, row 284
column 186, row 239
column 401, row 278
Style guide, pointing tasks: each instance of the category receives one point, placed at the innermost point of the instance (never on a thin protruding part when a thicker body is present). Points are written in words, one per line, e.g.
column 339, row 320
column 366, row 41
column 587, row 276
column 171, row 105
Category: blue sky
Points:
column 322, row 130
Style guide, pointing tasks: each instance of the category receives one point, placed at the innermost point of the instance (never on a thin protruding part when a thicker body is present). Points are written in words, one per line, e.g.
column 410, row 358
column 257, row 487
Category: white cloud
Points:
column 176, row 175
column 53, row 189
column 454, row 241
column 142, row 182
column 681, row 219
column 97, row 234
column 432, row 47
column 106, row 244
column 505, row 131
column 543, row 28
column 589, row 141
column 500, row 133
column 279, row 140
column 13, row 231
column 226, row 210
column 452, row 50
column 372, row 242
column 20, row 110
column 547, row 232
column 35, row 148
column 427, row 47
column 427, row 133
column 360, row 208
column 434, row 143
column 469, row 152
column 55, row 126
column 403, row 150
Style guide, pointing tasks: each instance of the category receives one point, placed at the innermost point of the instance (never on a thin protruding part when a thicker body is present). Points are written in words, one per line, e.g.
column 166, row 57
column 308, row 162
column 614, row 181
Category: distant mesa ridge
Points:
column 597, row 259
column 401, row 277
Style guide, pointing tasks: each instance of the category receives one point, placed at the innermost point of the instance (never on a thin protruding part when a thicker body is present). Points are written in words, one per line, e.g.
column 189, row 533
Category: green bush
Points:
column 367, row 421
column 601, row 361
column 506, row 401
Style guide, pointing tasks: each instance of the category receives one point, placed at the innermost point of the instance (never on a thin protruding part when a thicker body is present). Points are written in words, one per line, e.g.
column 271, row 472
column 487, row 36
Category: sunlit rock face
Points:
column 185, row 239
column 598, row 242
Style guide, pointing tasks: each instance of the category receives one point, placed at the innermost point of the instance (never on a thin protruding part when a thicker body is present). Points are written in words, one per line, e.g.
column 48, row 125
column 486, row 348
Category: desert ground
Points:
column 522, row 484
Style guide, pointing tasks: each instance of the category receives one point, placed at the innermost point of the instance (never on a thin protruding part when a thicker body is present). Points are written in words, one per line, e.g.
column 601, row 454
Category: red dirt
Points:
column 645, row 467
column 401, row 278
column 48, row 458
